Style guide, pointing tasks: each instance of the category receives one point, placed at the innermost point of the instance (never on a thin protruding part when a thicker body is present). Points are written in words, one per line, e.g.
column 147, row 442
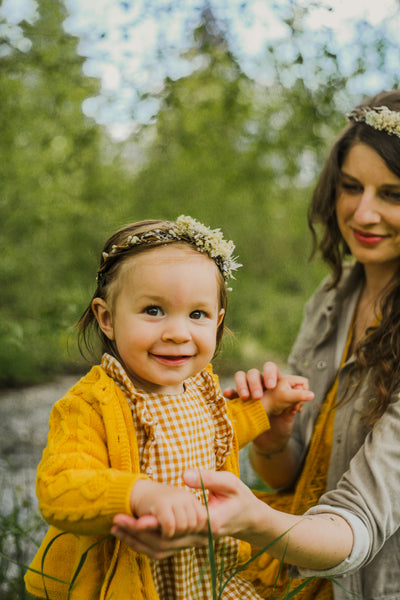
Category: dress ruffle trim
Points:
column 139, row 402
column 217, row 405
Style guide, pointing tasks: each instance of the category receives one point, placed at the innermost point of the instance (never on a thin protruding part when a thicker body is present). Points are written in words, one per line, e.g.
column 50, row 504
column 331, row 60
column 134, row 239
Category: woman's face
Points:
column 368, row 209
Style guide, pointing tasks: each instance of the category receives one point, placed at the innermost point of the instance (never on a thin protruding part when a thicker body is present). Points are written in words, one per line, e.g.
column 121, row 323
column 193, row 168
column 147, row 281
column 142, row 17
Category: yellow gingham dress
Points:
column 176, row 432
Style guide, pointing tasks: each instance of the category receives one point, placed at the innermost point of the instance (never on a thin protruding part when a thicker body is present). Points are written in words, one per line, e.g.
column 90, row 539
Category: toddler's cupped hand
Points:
column 177, row 511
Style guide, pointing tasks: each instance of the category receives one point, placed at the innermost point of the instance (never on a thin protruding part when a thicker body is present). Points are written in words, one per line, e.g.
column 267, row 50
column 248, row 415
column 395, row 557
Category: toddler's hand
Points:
column 289, row 395
column 177, row 510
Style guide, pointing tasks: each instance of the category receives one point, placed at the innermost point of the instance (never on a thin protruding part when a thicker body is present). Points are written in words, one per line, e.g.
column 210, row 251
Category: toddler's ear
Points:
column 103, row 317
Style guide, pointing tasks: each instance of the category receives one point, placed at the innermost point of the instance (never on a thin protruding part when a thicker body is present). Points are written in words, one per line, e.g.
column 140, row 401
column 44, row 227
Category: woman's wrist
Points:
column 266, row 453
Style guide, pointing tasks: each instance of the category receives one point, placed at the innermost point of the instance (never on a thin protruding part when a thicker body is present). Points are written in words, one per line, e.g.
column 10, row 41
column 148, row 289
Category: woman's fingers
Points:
column 271, row 375
column 242, row 388
column 144, row 535
column 215, row 481
column 249, row 384
column 253, row 383
column 231, row 503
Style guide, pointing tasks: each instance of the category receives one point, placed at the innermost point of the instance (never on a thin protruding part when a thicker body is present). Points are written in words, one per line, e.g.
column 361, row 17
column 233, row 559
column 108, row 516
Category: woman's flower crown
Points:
column 186, row 229
column 378, row 117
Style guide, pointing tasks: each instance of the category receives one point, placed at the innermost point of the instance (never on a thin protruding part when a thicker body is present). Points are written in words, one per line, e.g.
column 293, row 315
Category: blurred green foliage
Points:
column 222, row 147
column 56, row 182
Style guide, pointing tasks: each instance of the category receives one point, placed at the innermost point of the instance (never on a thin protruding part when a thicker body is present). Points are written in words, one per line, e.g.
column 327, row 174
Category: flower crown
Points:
column 378, row 117
column 185, row 229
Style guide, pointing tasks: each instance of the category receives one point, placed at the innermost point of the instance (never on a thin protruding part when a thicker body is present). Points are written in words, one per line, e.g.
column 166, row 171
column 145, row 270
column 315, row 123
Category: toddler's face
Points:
column 164, row 318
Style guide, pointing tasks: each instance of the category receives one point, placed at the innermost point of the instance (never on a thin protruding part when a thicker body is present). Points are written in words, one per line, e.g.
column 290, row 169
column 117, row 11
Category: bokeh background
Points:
column 117, row 111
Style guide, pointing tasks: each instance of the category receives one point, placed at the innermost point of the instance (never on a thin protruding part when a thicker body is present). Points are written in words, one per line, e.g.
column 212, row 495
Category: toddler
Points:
column 121, row 438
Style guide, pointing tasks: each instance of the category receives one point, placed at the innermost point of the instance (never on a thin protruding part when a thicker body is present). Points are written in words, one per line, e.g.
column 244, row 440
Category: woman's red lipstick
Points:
column 368, row 239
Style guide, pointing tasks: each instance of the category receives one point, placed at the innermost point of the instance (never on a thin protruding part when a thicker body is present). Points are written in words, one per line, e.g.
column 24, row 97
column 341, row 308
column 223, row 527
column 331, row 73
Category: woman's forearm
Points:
column 320, row 541
column 278, row 468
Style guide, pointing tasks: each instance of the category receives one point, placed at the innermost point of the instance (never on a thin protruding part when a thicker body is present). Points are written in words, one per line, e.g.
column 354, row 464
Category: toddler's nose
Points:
column 177, row 331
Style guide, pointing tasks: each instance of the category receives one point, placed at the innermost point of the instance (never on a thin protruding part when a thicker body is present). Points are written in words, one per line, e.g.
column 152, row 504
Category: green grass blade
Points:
column 297, row 589
column 211, row 552
column 335, row 582
column 280, row 569
column 49, row 545
column 82, row 562
column 264, row 549
column 15, row 562
column 221, row 573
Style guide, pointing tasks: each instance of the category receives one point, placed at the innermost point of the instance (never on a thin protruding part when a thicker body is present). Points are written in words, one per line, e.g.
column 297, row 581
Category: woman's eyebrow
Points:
column 344, row 174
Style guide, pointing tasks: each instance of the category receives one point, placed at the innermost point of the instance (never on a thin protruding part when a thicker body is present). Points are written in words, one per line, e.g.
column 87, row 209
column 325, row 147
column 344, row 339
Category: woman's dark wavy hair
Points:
column 89, row 332
column 379, row 352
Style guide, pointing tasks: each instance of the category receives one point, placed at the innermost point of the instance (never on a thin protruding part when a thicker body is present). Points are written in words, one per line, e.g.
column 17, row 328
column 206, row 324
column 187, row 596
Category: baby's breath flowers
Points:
column 210, row 241
column 189, row 230
column 378, row 117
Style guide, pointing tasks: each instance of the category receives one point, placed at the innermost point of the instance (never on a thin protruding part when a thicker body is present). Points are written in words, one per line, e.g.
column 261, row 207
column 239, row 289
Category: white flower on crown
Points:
column 210, row 241
column 380, row 118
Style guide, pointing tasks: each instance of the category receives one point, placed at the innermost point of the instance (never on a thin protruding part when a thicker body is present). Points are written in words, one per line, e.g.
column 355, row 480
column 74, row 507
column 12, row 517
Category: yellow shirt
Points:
column 87, row 471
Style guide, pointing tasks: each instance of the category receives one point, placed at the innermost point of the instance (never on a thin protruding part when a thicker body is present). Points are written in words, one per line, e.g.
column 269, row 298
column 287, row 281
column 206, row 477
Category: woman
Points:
column 338, row 461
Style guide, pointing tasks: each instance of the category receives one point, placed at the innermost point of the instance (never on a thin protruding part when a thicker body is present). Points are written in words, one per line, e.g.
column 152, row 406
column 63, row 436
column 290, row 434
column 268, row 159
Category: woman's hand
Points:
column 253, row 383
column 144, row 535
column 233, row 508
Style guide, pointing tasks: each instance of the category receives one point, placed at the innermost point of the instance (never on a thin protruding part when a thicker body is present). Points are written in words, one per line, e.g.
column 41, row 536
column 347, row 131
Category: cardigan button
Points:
column 321, row 364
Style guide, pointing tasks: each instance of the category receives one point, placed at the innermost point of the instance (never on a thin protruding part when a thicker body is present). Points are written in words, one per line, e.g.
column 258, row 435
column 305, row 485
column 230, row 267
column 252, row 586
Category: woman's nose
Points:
column 367, row 210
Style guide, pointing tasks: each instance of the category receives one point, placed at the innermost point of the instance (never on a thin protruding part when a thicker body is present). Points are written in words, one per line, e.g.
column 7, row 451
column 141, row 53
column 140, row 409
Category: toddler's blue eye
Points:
column 198, row 314
column 153, row 311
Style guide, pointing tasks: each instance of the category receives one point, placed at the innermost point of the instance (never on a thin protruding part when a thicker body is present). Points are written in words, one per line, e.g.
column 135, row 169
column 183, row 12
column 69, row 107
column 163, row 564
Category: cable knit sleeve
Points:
column 85, row 478
column 248, row 418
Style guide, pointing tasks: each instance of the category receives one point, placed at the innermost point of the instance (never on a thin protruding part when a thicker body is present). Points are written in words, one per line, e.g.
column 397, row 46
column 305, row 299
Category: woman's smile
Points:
column 369, row 239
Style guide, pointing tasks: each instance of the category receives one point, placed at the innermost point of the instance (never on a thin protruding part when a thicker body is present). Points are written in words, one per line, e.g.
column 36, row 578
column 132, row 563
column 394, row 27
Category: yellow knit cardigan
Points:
column 84, row 479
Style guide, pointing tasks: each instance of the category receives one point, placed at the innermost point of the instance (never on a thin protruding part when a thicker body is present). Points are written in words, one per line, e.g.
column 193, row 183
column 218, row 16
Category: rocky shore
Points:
column 24, row 415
